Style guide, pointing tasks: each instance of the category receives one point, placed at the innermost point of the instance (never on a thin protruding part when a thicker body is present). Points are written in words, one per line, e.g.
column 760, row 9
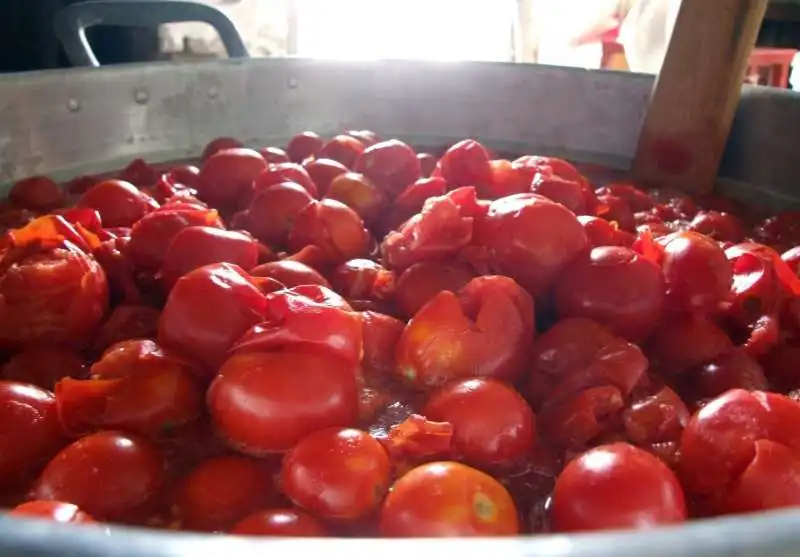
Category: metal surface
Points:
column 94, row 120
column 72, row 21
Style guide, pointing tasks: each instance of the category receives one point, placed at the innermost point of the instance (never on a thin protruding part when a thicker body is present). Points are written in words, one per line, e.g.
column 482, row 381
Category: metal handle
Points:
column 72, row 21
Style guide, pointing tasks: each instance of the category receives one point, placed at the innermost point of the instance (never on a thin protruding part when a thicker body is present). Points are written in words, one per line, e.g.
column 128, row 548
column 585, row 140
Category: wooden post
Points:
column 695, row 95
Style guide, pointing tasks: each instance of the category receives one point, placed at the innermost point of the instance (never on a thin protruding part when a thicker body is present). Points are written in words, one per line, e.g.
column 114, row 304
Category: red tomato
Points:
column 139, row 173
column 492, row 423
column 418, row 284
column 207, row 311
column 342, row 148
column 366, row 137
column 602, row 233
column 616, row 486
column 280, row 523
column 616, row 210
column 697, row 272
column 550, row 165
column 125, row 323
column 782, row 367
column 227, row 176
column 686, row 341
column 151, row 236
column 781, row 230
column 508, row 178
column 290, row 273
column 110, row 475
column 261, row 403
column 303, row 145
column 337, row 474
column 568, row 192
column 38, row 193
column 447, row 499
column 792, row 258
column 31, row 433
column 616, row 287
column 135, row 387
column 467, row 163
column 359, row 193
column 219, row 144
column 274, row 210
column 196, row 246
column 79, row 184
column 119, row 203
column 333, row 227
column 56, row 296
column 722, row 227
column 221, row 491
column 636, row 199
column 274, row 155
column 310, row 317
column 184, row 174
column 732, row 370
column 323, row 172
column 43, row 365
column 656, row 422
column 482, row 332
column 413, row 198
column 52, row 510
column 381, row 335
column 282, row 173
column 427, row 164
column 531, row 239
column 362, row 279
column 390, row 165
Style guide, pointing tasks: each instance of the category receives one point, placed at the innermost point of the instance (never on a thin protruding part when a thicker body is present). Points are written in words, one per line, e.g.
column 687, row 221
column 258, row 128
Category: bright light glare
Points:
column 419, row 29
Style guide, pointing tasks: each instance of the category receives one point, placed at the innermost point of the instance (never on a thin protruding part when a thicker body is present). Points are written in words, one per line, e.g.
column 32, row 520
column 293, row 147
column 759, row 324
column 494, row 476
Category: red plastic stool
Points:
column 770, row 66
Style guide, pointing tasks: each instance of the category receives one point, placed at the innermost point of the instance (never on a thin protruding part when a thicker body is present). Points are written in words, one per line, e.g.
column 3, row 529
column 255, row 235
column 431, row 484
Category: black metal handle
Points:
column 72, row 21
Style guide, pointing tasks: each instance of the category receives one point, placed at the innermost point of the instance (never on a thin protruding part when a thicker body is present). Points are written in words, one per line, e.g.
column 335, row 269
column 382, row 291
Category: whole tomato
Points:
column 467, row 163
column 274, row 155
column 31, row 433
column 616, row 486
column 227, row 176
column 196, row 246
column 381, row 335
column 207, row 311
column 359, row 193
column 390, row 165
column 636, row 199
column 333, row 227
column 508, row 178
column 110, row 475
column 139, row 173
column 412, row 199
column 337, row 474
column 367, row 137
column 38, row 193
column 685, row 341
column 530, row 239
column 285, row 172
column 221, row 491
column 52, row 510
column 273, row 211
column 342, row 148
column 602, row 233
column 422, row 281
column 219, row 144
column 261, row 403
column 484, row 331
column 184, row 174
column 493, row 426
column 303, row 145
column 568, row 192
column 448, row 499
column 614, row 286
column 290, row 273
column 119, row 203
column 362, row 279
column 781, row 231
column 323, row 172
column 51, row 296
column 43, row 365
column 722, row 227
column 733, row 370
column 615, row 210
column 280, row 523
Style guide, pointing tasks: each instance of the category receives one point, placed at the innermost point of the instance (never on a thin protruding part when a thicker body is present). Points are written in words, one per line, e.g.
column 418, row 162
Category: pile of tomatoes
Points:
column 350, row 338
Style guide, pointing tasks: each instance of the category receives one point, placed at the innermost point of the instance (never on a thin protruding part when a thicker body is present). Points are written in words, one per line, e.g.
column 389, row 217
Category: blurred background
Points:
column 623, row 35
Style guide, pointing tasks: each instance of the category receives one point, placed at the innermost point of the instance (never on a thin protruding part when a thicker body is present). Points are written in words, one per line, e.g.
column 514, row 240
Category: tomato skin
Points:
column 273, row 211
column 281, row 523
column 493, row 425
column 466, row 163
column 207, row 311
column 337, row 474
column 568, row 192
column 381, row 335
column 530, row 239
column 362, row 279
column 303, row 145
column 219, row 144
column 482, row 332
column 333, row 227
column 323, row 172
column 601, row 233
column 342, row 148
column 56, row 296
column 418, row 284
column 722, row 227
column 616, row 486
column 228, row 175
column 447, row 499
column 261, row 403
column 616, row 210
column 686, row 341
column 31, row 433
column 285, row 172
column 274, row 155
column 616, row 287
column 359, row 193
column 110, row 475
column 197, row 246
column 412, row 199
column 290, row 273
column 696, row 270
column 119, row 203
column 656, row 421
column 221, row 491
column 44, row 365
column 52, row 510
column 391, row 165
column 38, row 193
